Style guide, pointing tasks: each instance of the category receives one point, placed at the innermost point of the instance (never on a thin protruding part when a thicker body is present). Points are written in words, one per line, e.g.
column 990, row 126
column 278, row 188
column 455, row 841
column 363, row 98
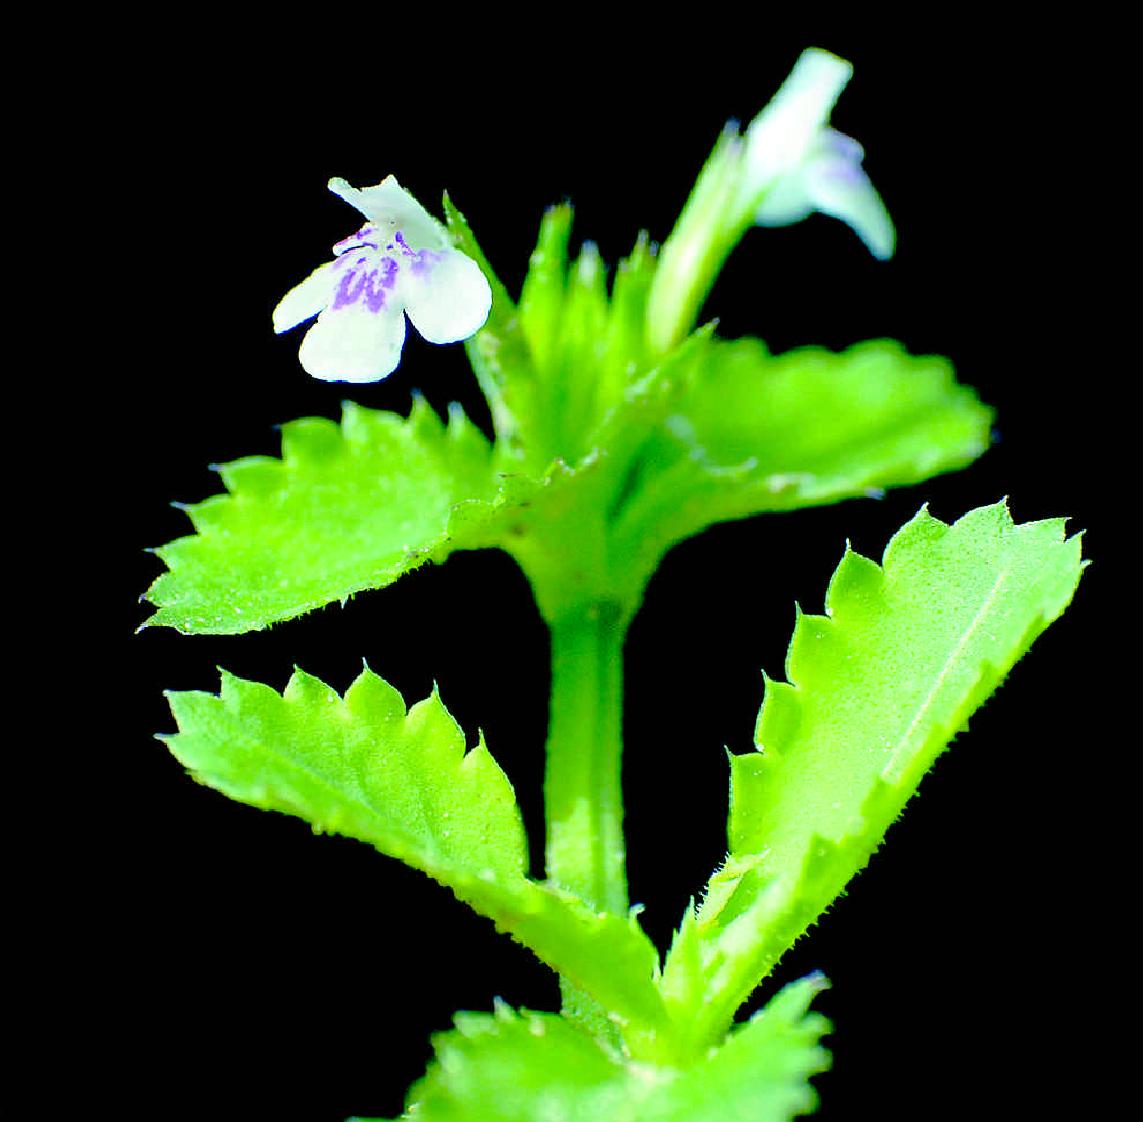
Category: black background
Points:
column 244, row 968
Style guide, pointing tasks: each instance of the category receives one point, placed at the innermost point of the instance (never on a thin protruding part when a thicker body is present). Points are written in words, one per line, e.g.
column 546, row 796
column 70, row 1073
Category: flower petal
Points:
column 306, row 299
column 779, row 138
column 831, row 180
column 840, row 188
column 394, row 210
column 354, row 343
column 446, row 295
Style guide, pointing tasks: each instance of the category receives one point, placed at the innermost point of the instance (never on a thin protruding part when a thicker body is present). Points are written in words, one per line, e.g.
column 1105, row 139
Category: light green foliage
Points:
column 586, row 346
column 748, row 432
column 877, row 689
column 619, row 431
column 347, row 507
column 532, row 1067
column 364, row 767
column 607, row 454
column 361, row 766
column 662, row 445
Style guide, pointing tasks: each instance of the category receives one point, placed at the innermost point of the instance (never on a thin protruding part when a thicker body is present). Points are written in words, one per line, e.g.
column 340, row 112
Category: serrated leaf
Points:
column 362, row 766
column 877, row 689
column 359, row 765
column 519, row 1067
column 753, row 432
column 524, row 1067
column 556, row 524
column 760, row 1073
column 346, row 508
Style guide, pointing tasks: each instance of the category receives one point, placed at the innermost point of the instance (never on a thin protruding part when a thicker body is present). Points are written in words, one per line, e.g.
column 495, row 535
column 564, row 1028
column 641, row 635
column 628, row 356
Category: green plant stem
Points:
column 583, row 797
column 583, row 800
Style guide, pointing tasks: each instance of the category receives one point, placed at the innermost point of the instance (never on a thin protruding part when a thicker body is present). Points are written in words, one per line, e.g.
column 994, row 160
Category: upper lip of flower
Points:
column 795, row 163
column 400, row 261
column 359, row 240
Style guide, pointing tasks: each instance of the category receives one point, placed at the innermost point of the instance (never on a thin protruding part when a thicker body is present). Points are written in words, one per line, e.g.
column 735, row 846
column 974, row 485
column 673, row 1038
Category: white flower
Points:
column 400, row 263
column 787, row 165
column 794, row 164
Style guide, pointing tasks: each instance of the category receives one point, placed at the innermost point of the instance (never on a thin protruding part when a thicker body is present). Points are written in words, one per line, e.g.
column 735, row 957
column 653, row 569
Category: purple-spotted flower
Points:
column 400, row 263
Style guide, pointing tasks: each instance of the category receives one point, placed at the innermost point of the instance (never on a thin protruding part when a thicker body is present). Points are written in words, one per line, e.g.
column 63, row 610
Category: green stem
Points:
column 582, row 789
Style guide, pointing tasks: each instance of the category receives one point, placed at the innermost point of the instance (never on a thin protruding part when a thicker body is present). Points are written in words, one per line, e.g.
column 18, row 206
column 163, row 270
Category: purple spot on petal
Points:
column 842, row 171
column 359, row 240
column 350, row 287
column 423, row 262
column 370, row 288
column 374, row 291
column 842, row 145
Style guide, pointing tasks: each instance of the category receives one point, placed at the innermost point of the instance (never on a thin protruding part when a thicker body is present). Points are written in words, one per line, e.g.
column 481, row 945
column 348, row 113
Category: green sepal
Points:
column 520, row 1067
column 498, row 352
column 347, row 507
column 586, row 345
column 542, row 295
column 363, row 766
column 750, row 432
column 878, row 687
column 626, row 352
column 704, row 235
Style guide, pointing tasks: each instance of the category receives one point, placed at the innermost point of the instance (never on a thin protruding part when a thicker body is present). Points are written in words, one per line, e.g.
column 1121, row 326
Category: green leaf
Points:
column 510, row 1067
column 760, row 1073
column 347, row 508
column 877, row 689
column 359, row 765
column 522, row 1067
column 556, row 524
column 364, row 767
column 752, row 432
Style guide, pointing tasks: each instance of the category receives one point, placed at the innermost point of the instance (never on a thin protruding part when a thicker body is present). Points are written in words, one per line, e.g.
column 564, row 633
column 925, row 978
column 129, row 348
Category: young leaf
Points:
column 364, row 767
column 752, row 432
column 520, row 1067
column 761, row 1071
column 345, row 509
column 877, row 689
